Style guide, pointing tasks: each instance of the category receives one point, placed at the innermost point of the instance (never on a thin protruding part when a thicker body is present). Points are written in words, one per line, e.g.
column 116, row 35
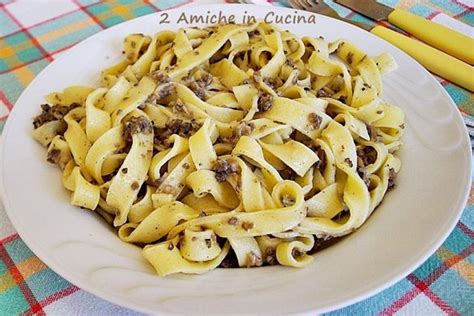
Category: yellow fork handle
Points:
column 432, row 59
column 449, row 41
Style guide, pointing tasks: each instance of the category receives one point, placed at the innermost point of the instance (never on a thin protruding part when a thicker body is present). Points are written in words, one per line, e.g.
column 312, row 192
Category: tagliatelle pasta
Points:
column 231, row 145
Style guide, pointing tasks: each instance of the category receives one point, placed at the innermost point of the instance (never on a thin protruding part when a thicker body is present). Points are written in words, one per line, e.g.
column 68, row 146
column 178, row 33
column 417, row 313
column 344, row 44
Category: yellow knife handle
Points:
column 432, row 59
column 435, row 34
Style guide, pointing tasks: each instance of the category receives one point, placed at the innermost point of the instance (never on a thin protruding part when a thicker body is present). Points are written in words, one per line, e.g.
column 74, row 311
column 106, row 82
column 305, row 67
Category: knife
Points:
column 434, row 34
column 434, row 60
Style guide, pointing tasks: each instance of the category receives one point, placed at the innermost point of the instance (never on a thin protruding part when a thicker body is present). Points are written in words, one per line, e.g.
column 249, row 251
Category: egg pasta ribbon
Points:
column 229, row 145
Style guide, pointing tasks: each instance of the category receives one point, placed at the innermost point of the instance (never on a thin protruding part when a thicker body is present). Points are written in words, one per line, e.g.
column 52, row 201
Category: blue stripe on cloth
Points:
column 428, row 267
column 8, row 26
column 377, row 303
column 3, row 267
column 468, row 18
column 421, row 10
column 54, row 282
column 458, row 95
column 13, row 302
column 75, row 35
column 9, row 83
column 165, row 4
column 462, row 299
column 457, row 241
column 18, row 251
column 449, row 6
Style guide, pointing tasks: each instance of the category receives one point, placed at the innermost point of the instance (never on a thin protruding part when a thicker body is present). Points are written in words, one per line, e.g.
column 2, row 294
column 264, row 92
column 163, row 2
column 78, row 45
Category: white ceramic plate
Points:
column 412, row 222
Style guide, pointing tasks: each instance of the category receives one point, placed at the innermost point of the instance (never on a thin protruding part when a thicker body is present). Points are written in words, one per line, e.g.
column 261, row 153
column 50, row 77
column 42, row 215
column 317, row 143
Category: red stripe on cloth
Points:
column 28, row 34
column 59, row 295
column 433, row 15
column 41, row 22
column 21, row 65
column 423, row 287
column 460, row 15
column 151, row 4
column 446, row 265
column 402, row 301
column 439, row 302
column 35, row 307
column 465, row 229
column 6, row 2
column 48, row 20
column 51, row 55
column 35, row 60
column 5, row 101
column 462, row 4
column 9, row 239
column 93, row 17
column 62, row 49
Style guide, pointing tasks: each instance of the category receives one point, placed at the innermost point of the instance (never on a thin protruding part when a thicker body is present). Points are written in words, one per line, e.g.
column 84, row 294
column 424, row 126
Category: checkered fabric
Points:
column 34, row 32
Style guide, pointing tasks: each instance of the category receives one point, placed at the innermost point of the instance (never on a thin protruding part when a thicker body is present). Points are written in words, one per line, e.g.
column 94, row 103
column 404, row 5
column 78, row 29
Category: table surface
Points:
column 33, row 34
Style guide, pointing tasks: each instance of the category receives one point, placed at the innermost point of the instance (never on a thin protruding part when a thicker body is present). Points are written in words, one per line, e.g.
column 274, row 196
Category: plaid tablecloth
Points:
column 35, row 32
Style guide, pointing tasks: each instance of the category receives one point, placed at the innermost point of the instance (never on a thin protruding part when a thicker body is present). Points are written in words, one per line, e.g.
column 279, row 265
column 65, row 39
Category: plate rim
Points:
column 57, row 268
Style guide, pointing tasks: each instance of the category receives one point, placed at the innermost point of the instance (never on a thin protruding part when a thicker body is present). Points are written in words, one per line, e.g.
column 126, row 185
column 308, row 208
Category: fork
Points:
column 319, row 6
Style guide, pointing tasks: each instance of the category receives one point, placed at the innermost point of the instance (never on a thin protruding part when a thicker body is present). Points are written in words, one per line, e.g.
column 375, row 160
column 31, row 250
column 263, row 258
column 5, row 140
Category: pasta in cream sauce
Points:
column 230, row 145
